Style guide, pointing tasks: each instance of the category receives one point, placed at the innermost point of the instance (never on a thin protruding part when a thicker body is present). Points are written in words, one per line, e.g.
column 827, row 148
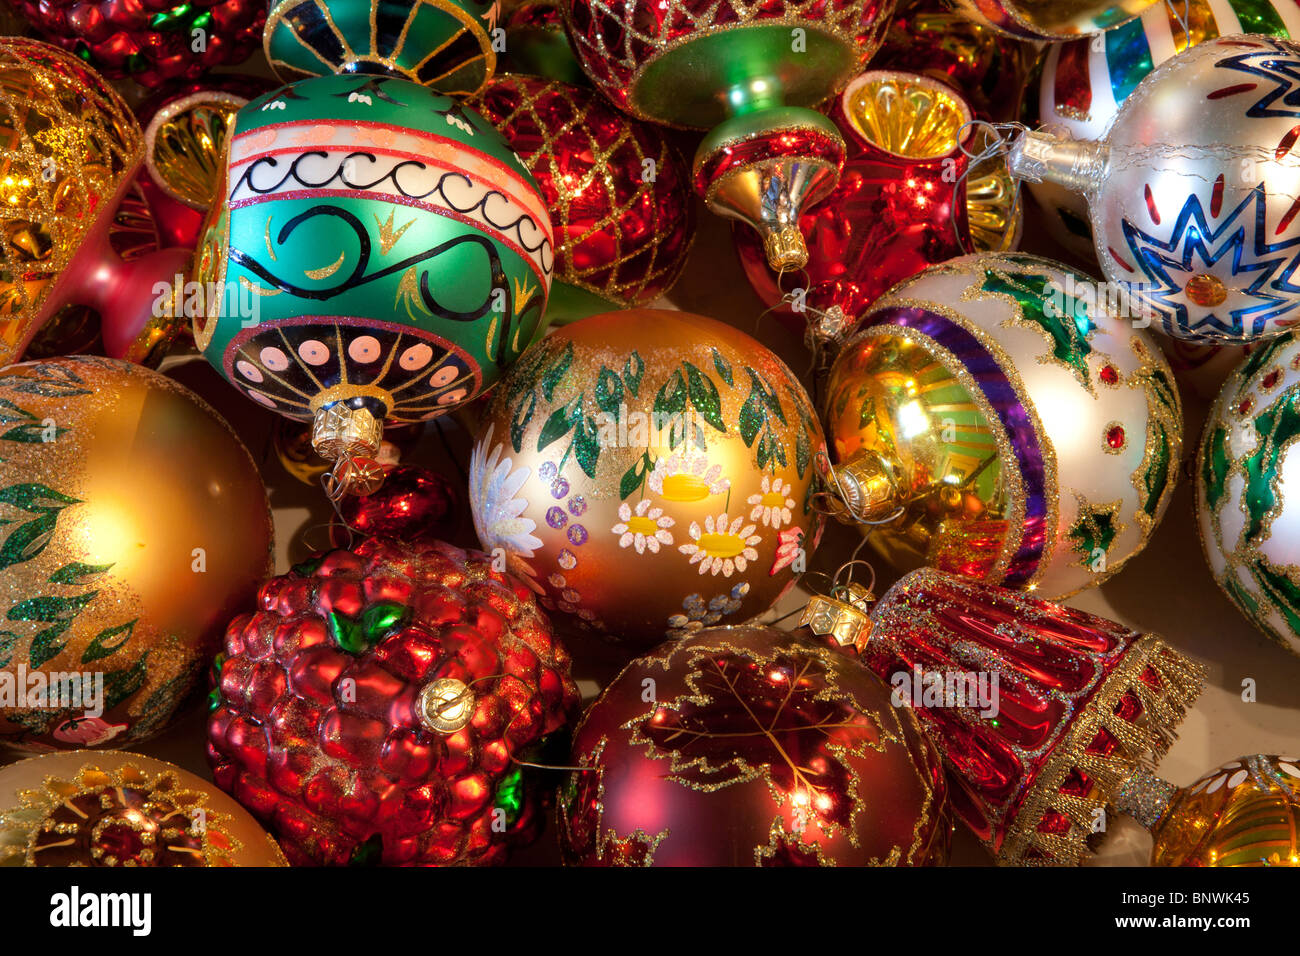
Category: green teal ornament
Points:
column 380, row 254
column 1247, row 490
column 445, row 45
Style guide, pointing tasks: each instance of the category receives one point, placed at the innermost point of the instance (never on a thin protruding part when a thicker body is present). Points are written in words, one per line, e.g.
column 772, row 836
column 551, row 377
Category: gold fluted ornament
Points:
column 1245, row 813
column 998, row 417
column 135, row 525
column 122, row 809
column 650, row 473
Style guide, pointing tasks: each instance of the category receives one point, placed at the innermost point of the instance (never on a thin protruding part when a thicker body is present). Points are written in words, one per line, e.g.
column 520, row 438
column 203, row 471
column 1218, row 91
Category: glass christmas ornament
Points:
column 1247, row 513
column 1245, row 813
column 446, row 45
column 379, row 254
column 1041, row 713
column 71, row 151
column 1078, row 86
column 747, row 73
column 1194, row 193
column 759, row 748
column 1053, row 19
column 907, row 199
column 993, row 418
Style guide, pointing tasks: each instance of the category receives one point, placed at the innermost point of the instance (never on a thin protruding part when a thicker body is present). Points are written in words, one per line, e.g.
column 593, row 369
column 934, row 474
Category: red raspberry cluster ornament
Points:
column 373, row 709
column 150, row 41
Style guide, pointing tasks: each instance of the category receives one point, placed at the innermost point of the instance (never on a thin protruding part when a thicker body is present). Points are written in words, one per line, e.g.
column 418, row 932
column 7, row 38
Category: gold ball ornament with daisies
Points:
column 649, row 473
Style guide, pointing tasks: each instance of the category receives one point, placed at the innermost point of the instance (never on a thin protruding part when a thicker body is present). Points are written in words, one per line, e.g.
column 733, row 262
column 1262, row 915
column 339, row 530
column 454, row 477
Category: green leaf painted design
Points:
column 1214, row 466
column 1283, row 593
column 10, row 413
column 29, row 539
column 108, row 641
column 119, row 685
column 802, row 452
column 46, row 645
column 634, row 477
column 723, row 367
column 586, row 446
column 556, row 372
column 50, row 608
column 1094, row 530
column 633, row 370
column 671, row 399
column 1261, row 354
column 704, row 397
column 560, row 423
column 77, row 573
column 1069, row 333
column 32, row 433
column 519, row 423
column 48, row 380
column 1276, row 427
column 609, row 392
column 752, row 417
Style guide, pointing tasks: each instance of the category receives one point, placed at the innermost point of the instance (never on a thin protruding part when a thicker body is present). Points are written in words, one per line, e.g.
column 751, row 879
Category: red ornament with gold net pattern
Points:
column 619, row 194
column 377, row 707
column 747, row 746
column 1079, row 703
column 150, row 41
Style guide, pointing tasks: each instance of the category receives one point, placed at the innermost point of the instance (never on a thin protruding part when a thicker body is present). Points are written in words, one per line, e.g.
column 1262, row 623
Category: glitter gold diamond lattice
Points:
column 618, row 192
column 68, row 145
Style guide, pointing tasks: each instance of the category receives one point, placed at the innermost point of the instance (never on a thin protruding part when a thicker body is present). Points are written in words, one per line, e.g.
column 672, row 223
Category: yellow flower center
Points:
column 773, row 499
column 685, row 487
column 721, row 545
column 638, row 524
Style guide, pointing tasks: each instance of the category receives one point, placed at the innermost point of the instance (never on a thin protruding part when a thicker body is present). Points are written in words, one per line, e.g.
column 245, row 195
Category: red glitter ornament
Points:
column 1041, row 712
column 753, row 748
column 618, row 193
column 413, row 504
column 374, row 708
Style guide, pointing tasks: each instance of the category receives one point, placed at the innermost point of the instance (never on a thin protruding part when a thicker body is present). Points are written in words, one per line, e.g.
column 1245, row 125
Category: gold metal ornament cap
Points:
column 783, row 243
column 844, row 615
column 445, row 705
column 864, row 490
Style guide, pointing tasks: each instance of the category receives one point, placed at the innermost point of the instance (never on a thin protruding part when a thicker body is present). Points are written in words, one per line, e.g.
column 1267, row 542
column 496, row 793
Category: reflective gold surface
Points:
column 889, row 394
column 906, row 114
column 135, row 527
column 185, row 145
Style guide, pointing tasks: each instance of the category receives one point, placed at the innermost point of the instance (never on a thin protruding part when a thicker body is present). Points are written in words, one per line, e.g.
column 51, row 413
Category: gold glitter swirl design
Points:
column 68, row 146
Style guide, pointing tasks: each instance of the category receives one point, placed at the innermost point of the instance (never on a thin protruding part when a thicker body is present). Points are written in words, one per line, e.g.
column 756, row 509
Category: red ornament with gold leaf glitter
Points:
column 1078, row 704
column 150, row 41
column 746, row 746
column 375, row 708
column 619, row 194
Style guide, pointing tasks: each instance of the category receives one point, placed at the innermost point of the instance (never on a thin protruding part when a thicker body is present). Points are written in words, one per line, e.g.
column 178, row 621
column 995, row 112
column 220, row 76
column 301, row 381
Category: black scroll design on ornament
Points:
column 293, row 173
column 499, row 291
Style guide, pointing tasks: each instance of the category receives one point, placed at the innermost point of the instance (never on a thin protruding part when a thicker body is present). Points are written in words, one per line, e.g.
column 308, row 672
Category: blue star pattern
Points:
column 1278, row 65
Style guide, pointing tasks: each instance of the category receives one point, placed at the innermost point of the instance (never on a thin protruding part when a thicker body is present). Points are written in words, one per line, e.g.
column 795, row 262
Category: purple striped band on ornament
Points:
column 1015, row 419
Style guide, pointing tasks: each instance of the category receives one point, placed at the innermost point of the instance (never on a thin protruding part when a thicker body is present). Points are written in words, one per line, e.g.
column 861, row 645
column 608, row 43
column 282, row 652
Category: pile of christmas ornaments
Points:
column 463, row 208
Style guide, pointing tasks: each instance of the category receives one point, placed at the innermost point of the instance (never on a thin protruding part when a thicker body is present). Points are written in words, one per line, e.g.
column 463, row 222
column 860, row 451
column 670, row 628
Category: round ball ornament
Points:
column 446, row 45
column 907, row 199
column 1200, row 235
column 1005, row 425
column 378, row 705
column 71, row 150
column 650, row 473
column 151, row 41
column 1248, row 515
column 1245, row 813
column 379, row 254
column 1031, row 20
column 122, row 809
column 618, row 193
column 1078, row 86
column 759, row 748
column 135, row 526
column 748, row 73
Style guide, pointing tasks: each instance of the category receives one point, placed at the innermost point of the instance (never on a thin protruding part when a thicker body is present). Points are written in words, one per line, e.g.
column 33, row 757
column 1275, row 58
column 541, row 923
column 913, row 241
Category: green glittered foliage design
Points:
column 1163, row 421
column 1094, row 531
column 1069, row 333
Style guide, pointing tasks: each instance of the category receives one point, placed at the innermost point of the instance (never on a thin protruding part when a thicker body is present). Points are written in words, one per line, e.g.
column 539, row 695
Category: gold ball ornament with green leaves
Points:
column 649, row 473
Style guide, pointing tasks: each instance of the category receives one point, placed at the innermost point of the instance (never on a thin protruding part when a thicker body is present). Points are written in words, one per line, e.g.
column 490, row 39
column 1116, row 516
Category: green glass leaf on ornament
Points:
column 560, row 422
column 29, row 539
column 1069, row 333
column 752, row 417
column 46, row 645
column 1214, row 467
column 609, row 392
column 766, row 391
column 671, row 399
column 77, row 573
column 108, row 641
column 1277, row 429
column 50, row 608
column 634, row 477
column 633, row 370
column 556, row 372
column 10, row 413
column 306, row 568
column 1152, row 480
column 841, row 400
column 802, row 452
column 510, row 795
column 33, row 433
column 380, row 620
column 723, row 367
column 586, row 446
column 1282, row 592
column 1260, row 356
column 119, row 685
column 764, row 453
column 704, row 397
column 1094, row 531
column 519, row 423
column 170, row 19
